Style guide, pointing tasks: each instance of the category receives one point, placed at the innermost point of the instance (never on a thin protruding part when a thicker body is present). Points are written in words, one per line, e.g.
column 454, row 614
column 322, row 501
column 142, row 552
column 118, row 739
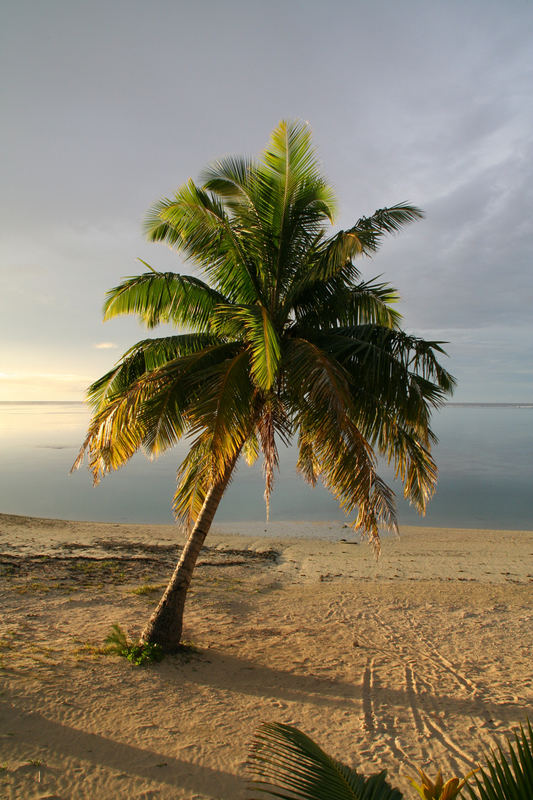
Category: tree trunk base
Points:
column 166, row 623
column 165, row 626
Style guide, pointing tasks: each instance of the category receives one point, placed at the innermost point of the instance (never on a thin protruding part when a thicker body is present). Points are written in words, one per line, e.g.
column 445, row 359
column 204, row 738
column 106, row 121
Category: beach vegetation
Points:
column 507, row 777
column 91, row 649
column 285, row 763
column 278, row 337
column 147, row 589
column 439, row 789
column 137, row 653
column 33, row 586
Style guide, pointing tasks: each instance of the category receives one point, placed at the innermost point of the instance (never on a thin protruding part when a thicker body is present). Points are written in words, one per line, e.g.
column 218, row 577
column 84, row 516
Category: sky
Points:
column 109, row 106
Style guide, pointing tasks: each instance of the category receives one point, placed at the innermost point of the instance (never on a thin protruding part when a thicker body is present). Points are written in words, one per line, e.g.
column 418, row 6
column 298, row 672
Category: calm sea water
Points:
column 485, row 459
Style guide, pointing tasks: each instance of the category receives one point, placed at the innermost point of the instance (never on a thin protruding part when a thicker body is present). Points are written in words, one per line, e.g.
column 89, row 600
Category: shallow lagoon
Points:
column 485, row 459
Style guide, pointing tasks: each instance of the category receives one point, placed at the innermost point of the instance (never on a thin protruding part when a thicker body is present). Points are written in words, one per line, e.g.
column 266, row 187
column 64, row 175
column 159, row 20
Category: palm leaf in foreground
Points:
column 507, row 778
column 287, row 764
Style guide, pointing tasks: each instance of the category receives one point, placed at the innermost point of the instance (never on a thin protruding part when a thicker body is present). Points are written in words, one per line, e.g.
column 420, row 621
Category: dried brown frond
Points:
column 266, row 431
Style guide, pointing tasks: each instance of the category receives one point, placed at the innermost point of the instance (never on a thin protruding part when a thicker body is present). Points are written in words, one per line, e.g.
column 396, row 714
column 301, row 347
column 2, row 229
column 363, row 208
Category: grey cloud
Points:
column 107, row 107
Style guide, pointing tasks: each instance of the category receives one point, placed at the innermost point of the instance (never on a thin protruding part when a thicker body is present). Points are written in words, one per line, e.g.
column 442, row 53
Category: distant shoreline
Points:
column 275, row 528
column 476, row 404
column 479, row 403
column 332, row 530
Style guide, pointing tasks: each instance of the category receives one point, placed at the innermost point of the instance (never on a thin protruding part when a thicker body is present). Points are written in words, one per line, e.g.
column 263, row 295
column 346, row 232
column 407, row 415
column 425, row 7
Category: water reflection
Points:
column 485, row 458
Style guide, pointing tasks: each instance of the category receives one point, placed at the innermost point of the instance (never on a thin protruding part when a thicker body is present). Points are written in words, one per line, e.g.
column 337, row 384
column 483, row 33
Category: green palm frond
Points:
column 335, row 304
column 226, row 409
column 334, row 254
column 183, row 389
column 157, row 297
column 253, row 323
column 287, row 764
column 392, row 365
column 369, row 231
column 507, row 777
column 115, row 433
column 230, row 178
column 289, row 163
column 393, row 401
column 196, row 223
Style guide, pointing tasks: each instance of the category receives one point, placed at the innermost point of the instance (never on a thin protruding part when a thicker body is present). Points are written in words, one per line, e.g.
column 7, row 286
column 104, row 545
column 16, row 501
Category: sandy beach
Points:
column 421, row 659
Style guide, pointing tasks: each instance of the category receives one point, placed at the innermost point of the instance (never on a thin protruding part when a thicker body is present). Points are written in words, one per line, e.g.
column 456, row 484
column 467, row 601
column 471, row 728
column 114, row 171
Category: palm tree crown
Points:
column 281, row 337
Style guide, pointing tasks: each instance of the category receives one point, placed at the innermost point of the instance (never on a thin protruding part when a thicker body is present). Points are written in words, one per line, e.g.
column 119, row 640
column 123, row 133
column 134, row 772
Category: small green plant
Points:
column 147, row 589
column 136, row 653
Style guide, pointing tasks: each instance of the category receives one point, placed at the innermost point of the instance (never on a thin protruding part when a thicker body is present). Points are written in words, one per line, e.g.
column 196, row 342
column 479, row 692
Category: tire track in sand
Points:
column 418, row 670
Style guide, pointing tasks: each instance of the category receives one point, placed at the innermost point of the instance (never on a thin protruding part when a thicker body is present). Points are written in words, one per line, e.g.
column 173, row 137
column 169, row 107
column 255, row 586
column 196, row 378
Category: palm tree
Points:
column 283, row 337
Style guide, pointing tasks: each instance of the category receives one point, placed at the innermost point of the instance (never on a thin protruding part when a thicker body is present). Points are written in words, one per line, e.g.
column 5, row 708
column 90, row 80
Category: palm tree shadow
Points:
column 35, row 729
column 220, row 670
column 229, row 672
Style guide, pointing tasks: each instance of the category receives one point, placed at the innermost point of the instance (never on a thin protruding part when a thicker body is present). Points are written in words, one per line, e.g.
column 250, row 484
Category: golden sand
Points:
column 422, row 659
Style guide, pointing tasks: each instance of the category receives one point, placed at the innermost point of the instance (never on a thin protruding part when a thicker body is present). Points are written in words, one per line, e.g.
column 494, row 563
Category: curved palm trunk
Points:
column 166, row 623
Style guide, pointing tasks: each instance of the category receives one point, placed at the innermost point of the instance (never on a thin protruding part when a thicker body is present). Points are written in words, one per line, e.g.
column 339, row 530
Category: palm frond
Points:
column 115, row 433
column 250, row 449
column 157, row 297
column 290, row 157
column 507, row 777
column 193, row 479
column 395, row 366
column 393, row 401
column 293, row 201
column 230, row 178
column 369, row 231
column 287, row 764
column 151, row 412
column 254, row 324
column 144, row 356
column 227, row 412
column 335, row 304
column 266, row 431
column 196, row 223
column 331, row 444
column 222, row 420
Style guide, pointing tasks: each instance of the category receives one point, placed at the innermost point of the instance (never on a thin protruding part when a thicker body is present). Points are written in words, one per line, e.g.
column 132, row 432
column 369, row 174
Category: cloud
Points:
column 106, row 345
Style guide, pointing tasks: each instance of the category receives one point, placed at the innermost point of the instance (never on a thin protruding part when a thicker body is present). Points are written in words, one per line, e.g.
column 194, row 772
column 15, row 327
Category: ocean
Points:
column 484, row 455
